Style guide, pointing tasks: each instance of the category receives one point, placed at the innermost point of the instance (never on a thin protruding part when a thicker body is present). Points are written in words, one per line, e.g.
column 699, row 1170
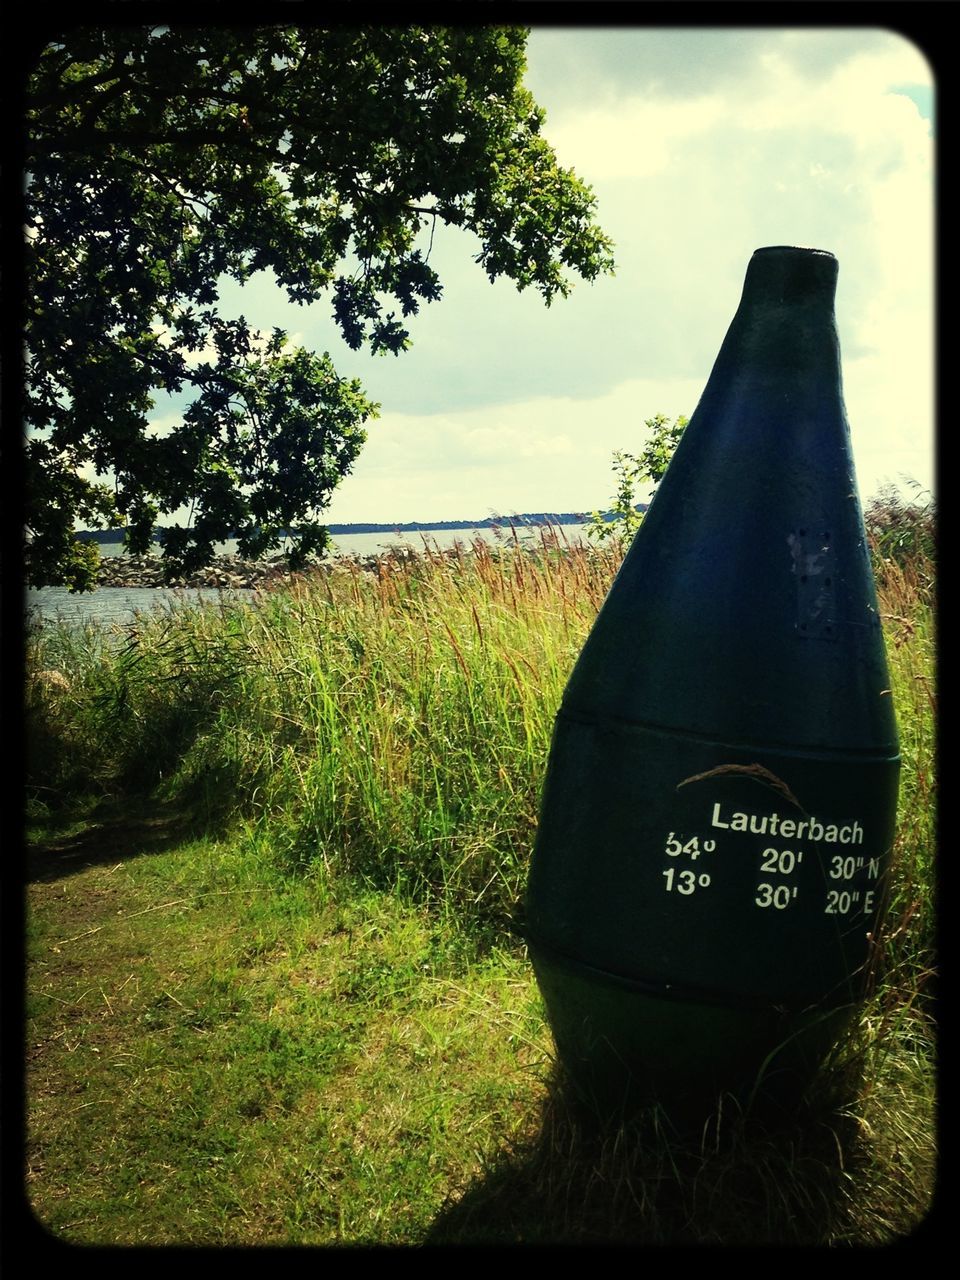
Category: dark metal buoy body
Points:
column 720, row 799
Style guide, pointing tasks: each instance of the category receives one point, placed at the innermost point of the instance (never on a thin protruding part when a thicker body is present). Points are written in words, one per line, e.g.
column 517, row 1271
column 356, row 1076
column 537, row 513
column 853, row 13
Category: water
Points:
column 371, row 544
column 112, row 605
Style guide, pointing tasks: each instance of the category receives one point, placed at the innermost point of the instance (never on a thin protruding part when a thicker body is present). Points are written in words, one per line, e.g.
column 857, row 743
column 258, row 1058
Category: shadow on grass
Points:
column 114, row 831
column 732, row 1179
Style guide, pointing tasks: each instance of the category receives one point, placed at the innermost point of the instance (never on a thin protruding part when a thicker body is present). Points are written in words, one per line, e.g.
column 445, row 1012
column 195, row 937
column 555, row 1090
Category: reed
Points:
column 393, row 725
column 339, row 974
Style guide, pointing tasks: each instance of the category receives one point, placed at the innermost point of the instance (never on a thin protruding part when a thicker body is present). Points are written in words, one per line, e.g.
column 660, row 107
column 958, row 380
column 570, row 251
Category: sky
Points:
column 701, row 146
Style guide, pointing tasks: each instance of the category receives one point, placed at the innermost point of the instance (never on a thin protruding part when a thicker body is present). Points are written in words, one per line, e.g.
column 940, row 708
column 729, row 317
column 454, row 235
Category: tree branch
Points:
column 73, row 90
column 78, row 142
column 186, row 200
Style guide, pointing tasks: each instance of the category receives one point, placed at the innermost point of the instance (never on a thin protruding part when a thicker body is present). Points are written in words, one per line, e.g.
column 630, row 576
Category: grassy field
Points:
column 276, row 993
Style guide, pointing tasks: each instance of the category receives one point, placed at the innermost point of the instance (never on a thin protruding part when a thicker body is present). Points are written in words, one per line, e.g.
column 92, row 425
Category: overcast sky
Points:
column 701, row 146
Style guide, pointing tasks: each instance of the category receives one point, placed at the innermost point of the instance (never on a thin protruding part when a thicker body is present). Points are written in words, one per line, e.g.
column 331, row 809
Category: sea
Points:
column 118, row 605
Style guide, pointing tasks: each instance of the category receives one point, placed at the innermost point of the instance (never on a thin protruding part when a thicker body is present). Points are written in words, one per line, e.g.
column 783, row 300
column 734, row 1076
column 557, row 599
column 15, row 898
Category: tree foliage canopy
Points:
column 161, row 160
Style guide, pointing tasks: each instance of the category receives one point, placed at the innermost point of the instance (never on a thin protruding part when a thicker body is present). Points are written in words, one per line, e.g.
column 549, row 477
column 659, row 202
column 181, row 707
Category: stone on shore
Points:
column 233, row 574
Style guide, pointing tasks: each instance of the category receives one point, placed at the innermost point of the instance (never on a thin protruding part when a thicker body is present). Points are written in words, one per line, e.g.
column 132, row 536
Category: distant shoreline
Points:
column 533, row 518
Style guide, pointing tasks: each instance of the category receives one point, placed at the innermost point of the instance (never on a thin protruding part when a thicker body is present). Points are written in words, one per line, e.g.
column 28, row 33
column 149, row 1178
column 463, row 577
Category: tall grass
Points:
column 906, row 576
column 394, row 726
column 391, row 724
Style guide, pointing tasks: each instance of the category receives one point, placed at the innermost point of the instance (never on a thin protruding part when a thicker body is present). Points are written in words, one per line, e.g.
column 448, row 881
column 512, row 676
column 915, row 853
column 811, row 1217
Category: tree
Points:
column 163, row 159
column 631, row 472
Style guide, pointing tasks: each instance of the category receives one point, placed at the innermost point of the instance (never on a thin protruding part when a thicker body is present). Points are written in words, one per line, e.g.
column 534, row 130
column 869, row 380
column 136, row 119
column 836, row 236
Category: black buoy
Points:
column 720, row 799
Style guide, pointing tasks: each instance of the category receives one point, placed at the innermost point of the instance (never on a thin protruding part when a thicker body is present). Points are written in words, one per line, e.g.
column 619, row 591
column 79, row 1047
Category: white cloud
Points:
column 636, row 138
column 552, row 453
column 837, row 159
column 715, row 147
column 166, row 422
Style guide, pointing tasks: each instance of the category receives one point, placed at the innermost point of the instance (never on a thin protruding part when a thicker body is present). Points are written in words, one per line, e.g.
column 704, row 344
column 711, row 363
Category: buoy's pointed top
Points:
column 789, row 273
column 794, row 249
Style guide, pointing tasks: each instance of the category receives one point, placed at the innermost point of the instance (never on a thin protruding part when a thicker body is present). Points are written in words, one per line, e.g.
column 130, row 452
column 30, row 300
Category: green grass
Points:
column 218, row 1054
column 361, row 718
column 275, row 993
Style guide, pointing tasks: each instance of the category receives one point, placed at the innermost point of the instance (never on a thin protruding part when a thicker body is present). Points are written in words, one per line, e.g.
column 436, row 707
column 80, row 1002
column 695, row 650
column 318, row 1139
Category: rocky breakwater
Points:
column 229, row 573
column 225, row 572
